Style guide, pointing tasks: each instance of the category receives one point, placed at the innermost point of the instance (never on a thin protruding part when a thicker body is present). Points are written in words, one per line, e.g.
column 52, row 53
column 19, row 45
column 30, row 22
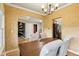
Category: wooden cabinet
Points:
column 30, row 48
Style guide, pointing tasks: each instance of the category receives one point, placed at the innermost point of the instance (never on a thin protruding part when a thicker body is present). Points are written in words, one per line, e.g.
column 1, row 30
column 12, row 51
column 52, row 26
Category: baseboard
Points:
column 73, row 52
column 13, row 52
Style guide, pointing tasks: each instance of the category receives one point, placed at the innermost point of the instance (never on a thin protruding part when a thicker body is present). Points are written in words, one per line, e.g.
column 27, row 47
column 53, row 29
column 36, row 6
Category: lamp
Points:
column 49, row 8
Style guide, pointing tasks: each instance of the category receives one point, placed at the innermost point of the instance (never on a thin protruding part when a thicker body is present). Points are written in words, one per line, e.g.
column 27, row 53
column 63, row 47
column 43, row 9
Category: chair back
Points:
column 51, row 48
column 65, row 46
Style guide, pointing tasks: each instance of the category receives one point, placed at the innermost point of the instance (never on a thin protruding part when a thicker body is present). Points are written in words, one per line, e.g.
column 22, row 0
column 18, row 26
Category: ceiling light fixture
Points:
column 49, row 8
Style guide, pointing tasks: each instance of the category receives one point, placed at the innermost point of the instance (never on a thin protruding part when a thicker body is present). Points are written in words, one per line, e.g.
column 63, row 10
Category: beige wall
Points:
column 11, row 18
column 1, row 7
column 70, row 23
column 69, row 14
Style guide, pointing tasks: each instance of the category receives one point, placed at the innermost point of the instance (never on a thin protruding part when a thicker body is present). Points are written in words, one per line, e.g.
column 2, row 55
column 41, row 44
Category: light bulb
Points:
column 56, row 5
column 52, row 9
column 42, row 6
column 45, row 10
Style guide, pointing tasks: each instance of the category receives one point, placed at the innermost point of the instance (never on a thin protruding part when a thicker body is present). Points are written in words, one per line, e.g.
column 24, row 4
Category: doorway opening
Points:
column 30, row 28
column 57, row 28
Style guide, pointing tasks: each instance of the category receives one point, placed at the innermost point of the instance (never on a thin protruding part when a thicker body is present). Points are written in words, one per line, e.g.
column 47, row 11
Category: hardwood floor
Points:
column 33, row 48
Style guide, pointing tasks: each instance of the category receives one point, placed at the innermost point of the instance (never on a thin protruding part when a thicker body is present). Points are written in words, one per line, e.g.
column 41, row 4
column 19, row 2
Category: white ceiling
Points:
column 35, row 6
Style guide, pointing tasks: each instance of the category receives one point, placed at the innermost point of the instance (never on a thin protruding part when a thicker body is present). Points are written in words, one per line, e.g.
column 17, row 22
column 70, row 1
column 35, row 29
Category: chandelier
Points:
column 49, row 8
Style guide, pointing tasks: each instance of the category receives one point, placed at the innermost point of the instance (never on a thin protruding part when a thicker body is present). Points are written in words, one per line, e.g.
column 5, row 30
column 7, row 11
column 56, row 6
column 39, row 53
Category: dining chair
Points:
column 51, row 48
column 65, row 46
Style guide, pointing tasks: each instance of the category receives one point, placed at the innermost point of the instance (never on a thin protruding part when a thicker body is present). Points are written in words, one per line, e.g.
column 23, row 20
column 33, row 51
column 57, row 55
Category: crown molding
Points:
column 64, row 6
column 16, row 6
column 61, row 8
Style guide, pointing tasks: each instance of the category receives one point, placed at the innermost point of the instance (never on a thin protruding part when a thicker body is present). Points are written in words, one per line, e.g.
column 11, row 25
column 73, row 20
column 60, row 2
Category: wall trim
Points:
column 16, row 6
column 6, row 52
column 71, row 51
column 64, row 6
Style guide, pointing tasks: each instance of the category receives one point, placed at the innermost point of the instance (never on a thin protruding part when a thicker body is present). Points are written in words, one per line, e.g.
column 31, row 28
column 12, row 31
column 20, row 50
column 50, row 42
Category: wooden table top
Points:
column 33, row 48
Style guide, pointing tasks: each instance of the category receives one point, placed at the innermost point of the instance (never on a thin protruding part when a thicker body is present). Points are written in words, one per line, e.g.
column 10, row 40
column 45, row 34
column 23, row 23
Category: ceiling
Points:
column 36, row 7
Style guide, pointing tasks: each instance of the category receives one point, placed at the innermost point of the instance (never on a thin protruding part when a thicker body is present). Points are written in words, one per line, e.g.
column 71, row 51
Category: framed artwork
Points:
column 35, row 28
column 21, row 29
